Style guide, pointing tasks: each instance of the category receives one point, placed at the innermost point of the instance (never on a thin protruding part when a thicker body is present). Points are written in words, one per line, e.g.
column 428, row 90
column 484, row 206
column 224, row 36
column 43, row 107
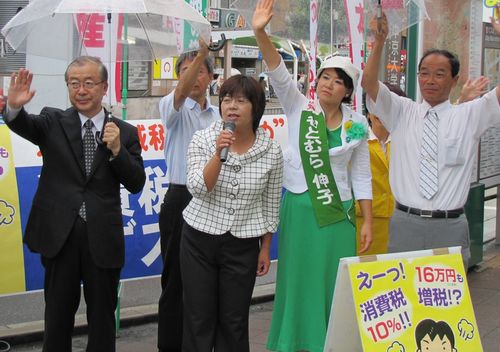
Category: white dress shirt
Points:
column 97, row 120
column 179, row 129
column 246, row 197
column 460, row 129
column 383, row 145
column 350, row 162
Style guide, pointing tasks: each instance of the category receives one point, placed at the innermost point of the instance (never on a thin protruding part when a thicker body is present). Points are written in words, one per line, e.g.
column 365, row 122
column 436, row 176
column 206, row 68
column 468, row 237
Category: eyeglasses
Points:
column 75, row 85
column 436, row 75
column 237, row 100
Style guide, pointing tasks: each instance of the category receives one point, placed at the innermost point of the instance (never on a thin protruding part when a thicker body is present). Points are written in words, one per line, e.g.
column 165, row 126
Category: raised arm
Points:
column 261, row 17
column 188, row 78
column 369, row 82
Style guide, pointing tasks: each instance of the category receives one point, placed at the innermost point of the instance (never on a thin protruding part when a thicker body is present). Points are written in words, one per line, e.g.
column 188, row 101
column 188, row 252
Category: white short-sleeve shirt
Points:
column 460, row 129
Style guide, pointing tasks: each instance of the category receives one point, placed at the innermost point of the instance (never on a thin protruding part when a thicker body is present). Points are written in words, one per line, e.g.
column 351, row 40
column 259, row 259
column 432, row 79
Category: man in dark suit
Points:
column 75, row 221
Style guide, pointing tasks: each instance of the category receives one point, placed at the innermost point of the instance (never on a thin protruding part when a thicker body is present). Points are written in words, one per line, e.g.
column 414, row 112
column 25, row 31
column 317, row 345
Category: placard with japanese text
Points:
column 401, row 302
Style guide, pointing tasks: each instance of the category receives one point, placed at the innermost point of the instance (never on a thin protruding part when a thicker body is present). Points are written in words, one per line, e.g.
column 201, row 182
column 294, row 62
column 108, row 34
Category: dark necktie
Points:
column 88, row 154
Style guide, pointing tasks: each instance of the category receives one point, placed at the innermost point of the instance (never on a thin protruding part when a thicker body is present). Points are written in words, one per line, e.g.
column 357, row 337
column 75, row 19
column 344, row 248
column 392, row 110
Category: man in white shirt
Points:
column 183, row 112
column 433, row 147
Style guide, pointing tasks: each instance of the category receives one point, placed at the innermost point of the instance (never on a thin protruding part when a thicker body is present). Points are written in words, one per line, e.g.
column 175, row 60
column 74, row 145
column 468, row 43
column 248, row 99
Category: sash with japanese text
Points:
column 313, row 145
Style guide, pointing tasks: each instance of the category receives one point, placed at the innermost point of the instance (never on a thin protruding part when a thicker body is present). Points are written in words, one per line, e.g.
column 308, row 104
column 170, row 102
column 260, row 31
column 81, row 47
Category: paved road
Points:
column 142, row 338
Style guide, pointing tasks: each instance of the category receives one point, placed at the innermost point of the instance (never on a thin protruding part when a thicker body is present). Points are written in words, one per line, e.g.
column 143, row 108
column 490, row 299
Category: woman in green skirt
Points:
column 326, row 162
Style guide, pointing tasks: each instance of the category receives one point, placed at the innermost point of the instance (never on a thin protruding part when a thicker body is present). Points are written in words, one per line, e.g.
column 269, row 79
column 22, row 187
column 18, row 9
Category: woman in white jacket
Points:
column 230, row 220
column 327, row 161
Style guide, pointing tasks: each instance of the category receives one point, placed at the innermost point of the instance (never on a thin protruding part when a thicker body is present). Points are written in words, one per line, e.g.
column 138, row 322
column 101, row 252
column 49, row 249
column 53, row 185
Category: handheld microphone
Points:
column 227, row 126
column 99, row 134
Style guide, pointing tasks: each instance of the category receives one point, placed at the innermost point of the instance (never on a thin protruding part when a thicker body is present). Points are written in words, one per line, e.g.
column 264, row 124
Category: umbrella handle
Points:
column 219, row 45
column 379, row 17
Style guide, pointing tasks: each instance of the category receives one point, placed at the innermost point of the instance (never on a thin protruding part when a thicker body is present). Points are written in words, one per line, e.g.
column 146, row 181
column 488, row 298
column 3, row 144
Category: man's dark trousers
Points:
column 170, row 304
column 63, row 275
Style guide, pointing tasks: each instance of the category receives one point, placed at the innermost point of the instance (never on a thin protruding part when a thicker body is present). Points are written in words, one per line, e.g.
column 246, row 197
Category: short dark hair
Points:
column 189, row 56
column 347, row 82
column 83, row 60
column 433, row 328
column 452, row 58
column 250, row 89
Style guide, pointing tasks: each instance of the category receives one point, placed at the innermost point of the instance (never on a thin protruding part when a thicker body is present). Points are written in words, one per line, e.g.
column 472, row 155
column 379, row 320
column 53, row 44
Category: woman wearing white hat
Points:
column 326, row 161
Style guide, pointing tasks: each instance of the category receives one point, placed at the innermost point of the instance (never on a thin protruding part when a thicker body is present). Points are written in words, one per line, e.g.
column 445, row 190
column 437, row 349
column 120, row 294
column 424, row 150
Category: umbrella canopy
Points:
column 401, row 14
column 291, row 17
column 132, row 30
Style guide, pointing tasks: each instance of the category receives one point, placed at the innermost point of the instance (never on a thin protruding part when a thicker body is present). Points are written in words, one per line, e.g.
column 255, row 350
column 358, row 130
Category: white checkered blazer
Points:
column 245, row 200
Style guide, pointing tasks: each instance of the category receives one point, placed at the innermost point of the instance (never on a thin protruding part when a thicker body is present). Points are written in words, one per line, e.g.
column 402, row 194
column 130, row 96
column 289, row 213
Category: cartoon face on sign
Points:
column 432, row 336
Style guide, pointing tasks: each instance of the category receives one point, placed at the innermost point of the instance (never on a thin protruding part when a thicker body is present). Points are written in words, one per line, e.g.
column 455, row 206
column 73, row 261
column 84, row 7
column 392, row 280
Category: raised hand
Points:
column 473, row 88
column 262, row 14
column 380, row 30
column 203, row 50
column 379, row 27
column 20, row 92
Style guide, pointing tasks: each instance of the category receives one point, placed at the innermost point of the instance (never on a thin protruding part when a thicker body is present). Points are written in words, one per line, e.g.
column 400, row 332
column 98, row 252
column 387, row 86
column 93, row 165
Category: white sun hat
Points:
column 344, row 63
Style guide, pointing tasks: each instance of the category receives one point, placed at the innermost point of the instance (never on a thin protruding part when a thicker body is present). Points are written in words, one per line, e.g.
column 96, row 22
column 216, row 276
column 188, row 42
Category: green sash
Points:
column 313, row 145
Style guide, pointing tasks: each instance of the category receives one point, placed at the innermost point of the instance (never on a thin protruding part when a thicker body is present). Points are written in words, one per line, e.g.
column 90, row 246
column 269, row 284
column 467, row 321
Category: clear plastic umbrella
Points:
column 291, row 17
column 116, row 31
column 401, row 14
column 132, row 30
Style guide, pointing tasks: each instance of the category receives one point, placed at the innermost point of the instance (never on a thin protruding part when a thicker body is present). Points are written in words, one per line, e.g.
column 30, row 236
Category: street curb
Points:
column 23, row 333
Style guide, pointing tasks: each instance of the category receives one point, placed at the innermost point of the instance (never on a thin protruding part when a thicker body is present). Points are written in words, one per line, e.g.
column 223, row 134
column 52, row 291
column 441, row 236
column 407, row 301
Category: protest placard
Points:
column 403, row 302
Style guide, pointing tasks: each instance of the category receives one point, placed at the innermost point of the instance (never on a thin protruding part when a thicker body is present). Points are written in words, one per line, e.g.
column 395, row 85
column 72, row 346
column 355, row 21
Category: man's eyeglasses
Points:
column 75, row 85
column 436, row 75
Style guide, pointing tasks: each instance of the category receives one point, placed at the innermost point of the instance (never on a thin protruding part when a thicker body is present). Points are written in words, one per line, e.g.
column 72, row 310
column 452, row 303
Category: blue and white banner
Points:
column 140, row 211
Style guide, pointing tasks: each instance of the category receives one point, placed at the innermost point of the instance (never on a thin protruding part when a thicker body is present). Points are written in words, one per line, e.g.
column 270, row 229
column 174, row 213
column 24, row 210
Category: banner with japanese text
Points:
column 101, row 39
column 11, row 245
column 356, row 24
column 313, row 50
column 414, row 304
column 20, row 165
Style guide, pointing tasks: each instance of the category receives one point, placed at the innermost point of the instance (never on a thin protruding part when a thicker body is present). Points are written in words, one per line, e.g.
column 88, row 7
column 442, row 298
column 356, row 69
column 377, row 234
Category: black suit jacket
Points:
column 63, row 185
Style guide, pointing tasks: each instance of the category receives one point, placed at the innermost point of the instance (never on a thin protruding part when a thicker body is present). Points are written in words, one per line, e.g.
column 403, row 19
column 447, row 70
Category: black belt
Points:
column 455, row 213
column 176, row 186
